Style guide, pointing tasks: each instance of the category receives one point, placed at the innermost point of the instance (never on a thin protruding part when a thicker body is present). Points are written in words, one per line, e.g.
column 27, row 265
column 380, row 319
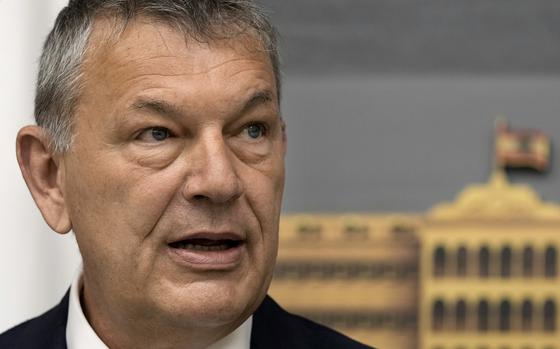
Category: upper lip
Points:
column 208, row 235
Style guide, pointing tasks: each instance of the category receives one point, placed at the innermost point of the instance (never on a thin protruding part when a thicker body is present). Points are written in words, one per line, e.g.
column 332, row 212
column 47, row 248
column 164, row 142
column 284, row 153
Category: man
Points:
column 159, row 143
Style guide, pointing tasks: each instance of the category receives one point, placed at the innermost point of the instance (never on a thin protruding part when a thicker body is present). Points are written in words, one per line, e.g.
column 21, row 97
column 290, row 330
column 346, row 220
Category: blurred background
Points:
column 390, row 107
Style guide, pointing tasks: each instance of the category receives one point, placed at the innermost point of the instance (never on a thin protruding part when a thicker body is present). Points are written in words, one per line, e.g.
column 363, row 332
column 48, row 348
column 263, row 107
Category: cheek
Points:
column 264, row 190
column 115, row 208
column 154, row 157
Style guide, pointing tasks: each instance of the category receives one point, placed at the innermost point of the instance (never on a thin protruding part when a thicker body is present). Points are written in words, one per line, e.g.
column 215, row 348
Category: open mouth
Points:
column 208, row 251
column 201, row 244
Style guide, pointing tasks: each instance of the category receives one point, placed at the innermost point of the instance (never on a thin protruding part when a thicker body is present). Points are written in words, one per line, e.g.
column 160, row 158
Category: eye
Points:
column 154, row 134
column 255, row 131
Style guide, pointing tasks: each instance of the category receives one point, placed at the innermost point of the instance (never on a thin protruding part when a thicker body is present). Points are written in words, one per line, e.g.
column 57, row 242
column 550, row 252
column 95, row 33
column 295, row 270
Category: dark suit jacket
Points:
column 273, row 328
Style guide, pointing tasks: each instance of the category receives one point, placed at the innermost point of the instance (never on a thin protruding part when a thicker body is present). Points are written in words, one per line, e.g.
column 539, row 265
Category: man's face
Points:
column 174, row 180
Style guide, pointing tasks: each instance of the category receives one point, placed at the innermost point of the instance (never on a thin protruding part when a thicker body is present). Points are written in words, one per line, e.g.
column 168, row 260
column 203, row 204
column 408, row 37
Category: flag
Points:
column 522, row 148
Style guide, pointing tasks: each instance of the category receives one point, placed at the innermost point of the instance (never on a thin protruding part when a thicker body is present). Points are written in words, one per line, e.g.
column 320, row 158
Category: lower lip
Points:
column 208, row 260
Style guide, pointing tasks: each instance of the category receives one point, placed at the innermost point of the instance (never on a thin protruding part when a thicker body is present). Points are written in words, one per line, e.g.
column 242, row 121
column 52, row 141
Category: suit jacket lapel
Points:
column 56, row 337
column 272, row 328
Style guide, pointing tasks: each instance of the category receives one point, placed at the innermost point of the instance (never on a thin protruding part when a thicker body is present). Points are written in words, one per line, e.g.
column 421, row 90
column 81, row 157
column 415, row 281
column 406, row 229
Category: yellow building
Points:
column 478, row 273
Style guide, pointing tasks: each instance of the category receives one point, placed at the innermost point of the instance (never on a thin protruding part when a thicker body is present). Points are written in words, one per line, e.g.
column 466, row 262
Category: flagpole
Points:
column 500, row 124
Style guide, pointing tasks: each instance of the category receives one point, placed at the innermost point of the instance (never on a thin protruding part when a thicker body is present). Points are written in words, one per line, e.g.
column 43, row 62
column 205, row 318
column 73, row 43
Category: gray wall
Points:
column 390, row 104
column 419, row 36
column 377, row 143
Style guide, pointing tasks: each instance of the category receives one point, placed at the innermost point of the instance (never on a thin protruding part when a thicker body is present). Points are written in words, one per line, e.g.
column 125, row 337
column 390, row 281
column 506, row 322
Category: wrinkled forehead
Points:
column 110, row 31
column 149, row 60
column 115, row 42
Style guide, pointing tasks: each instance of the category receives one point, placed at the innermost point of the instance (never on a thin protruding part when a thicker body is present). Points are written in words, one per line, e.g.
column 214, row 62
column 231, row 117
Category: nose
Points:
column 212, row 171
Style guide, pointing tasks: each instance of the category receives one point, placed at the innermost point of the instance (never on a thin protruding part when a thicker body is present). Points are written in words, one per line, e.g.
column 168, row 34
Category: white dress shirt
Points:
column 80, row 335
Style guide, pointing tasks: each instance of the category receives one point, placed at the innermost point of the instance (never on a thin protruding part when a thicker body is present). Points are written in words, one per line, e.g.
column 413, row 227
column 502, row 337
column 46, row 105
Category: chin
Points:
column 210, row 304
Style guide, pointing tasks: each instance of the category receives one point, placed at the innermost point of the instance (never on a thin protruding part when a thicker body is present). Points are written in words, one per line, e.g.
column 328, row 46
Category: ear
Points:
column 43, row 176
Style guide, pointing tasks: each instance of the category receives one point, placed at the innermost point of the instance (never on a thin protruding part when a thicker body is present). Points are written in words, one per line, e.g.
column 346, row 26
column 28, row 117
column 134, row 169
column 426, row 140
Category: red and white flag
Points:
column 522, row 148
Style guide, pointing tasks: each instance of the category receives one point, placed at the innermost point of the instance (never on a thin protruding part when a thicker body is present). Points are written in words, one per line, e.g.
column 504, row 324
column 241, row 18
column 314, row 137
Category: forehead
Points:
column 144, row 43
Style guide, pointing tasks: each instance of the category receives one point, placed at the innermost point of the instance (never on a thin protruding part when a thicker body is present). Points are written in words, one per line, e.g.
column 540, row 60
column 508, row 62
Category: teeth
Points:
column 203, row 247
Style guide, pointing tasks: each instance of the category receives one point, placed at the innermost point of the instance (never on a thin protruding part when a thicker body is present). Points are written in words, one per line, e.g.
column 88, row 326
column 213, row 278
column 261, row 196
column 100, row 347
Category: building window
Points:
column 505, row 262
column 505, row 315
column 356, row 230
column 549, row 316
column 309, row 230
column 528, row 257
column 483, row 314
column 527, row 315
column 404, row 230
column 484, row 262
column 438, row 315
column 439, row 261
column 550, row 262
column 462, row 261
column 461, row 315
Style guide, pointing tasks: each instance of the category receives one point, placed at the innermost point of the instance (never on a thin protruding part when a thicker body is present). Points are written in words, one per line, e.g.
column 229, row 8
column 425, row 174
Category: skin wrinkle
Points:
column 202, row 72
column 155, row 224
column 110, row 38
column 145, row 76
column 163, row 39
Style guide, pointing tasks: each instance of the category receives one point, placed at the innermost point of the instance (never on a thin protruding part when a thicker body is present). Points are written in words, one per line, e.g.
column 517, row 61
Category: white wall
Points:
column 36, row 264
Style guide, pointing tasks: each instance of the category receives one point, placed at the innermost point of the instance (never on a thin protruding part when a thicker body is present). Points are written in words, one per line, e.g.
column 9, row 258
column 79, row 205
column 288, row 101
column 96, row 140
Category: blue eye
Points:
column 255, row 131
column 160, row 133
column 154, row 134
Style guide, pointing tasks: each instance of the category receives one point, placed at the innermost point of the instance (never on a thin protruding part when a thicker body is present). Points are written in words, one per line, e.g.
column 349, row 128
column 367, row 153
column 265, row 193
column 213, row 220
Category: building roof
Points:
column 497, row 199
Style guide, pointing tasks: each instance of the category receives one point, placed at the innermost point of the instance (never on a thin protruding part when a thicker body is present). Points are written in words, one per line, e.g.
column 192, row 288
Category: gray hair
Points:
column 60, row 69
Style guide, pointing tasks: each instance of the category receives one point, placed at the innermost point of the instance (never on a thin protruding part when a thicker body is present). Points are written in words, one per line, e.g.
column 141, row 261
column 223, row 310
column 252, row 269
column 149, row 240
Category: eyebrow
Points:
column 158, row 106
column 165, row 108
column 258, row 98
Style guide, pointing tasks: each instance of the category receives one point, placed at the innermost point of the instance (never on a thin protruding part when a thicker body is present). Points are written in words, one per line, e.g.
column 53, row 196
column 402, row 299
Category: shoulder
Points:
column 45, row 331
column 273, row 327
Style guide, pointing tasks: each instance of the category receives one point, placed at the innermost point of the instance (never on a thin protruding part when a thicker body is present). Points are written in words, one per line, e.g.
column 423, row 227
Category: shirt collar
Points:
column 80, row 335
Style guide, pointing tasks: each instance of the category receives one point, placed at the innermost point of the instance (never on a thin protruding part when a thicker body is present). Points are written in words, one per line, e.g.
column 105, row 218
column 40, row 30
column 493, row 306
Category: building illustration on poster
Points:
column 480, row 272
